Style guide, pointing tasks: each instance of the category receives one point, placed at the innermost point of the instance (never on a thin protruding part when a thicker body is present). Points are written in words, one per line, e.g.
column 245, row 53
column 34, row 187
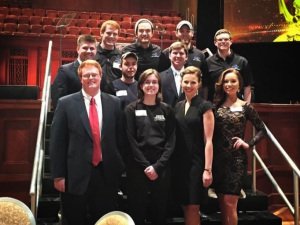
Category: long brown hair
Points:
column 220, row 94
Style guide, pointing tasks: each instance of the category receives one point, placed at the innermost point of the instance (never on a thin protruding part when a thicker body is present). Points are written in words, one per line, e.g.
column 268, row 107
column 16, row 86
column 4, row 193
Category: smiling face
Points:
column 231, row 84
column 90, row 79
column 223, row 42
column 185, row 35
column 150, row 86
column 86, row 50
column 178, row 58
column 190, row 84
column 144, row 33
column 109, row 37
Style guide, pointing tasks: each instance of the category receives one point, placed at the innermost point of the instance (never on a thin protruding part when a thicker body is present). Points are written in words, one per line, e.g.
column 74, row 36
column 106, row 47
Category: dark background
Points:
column 275, row 66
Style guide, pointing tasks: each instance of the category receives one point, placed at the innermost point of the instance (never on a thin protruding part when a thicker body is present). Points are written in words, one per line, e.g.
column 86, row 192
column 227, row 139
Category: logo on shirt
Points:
column 159, row 118
column 236, row 67
column 196, row 58
column 154, row 55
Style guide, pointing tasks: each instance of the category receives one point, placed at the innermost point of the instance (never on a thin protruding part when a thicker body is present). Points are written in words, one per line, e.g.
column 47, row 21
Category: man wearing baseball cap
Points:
column 185, row 34
column 126, row 87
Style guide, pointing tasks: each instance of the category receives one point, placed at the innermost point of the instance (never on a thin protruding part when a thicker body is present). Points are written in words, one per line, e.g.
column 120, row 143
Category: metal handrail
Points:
column 35, row 185
column 296, row 175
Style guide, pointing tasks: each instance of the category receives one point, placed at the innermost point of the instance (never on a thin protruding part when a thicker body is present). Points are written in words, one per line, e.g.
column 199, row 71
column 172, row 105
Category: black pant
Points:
column 147, row 199
column 99, row 199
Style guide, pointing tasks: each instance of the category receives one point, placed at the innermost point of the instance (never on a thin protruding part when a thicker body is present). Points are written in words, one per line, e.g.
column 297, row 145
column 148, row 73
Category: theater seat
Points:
column 4, row 10
column 35, row 20
column 95, row 15
column 11, row 19
column 39, row 12
column 85, row 30
column 95, row 31
column 35, row 30
column 23, row 29
column 15, row 11
column 24, row 19
column 92, row 23
column 27, row 11
column 19, row 92
column 9, row 28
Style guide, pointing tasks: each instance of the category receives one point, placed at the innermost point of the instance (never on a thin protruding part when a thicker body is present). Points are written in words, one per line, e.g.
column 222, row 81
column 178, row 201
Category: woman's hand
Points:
column 238, row 143
column 207, row 178
column 151, row 173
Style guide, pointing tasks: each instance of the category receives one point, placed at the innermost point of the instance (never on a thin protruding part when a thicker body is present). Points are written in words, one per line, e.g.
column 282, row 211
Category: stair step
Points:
column 48, row 189
column 257, row 201
column 48, row 209
column 47, row 168
column 245, row 218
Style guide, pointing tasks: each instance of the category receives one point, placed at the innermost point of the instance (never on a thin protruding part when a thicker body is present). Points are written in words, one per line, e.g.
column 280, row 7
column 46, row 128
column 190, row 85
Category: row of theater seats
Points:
column 40, row 22
column 92, row 23
column 88, row 15
column 126, row 35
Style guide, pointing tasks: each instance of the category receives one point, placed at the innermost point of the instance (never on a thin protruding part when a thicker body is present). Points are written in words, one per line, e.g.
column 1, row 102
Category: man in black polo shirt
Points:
column 225, row 58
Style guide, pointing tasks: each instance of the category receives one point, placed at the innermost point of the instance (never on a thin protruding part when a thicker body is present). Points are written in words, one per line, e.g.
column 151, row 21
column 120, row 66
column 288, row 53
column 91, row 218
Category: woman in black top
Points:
column 151, row 134
column 192, row 164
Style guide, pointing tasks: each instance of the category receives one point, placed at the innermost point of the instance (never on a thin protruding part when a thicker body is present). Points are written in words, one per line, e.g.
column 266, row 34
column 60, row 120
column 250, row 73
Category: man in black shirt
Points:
column 149, row 55
column 225, row 58
column 108, row 55
column 126, row 86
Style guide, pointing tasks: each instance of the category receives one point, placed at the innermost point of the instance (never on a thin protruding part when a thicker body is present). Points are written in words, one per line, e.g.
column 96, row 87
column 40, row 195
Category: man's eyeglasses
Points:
column 88, row 75
column 223, row 39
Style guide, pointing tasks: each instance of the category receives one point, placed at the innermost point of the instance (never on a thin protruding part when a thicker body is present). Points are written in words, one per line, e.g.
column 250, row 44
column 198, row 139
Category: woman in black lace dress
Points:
column 230, row 163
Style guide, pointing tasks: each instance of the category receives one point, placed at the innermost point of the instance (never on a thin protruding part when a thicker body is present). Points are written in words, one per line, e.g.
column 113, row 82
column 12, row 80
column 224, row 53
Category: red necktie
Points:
column 94, row 122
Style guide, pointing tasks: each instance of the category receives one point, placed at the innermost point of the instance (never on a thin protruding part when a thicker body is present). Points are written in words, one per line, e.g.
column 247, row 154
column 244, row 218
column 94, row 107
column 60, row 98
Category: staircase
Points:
column 252, row 210
column 49, row 203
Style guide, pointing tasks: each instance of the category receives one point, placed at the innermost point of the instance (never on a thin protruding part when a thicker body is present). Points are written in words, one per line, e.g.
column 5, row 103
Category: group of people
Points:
column 172, row 119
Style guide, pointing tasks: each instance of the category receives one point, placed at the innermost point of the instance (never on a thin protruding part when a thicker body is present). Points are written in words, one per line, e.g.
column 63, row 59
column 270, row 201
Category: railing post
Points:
column 253, row 166
column 296, row 198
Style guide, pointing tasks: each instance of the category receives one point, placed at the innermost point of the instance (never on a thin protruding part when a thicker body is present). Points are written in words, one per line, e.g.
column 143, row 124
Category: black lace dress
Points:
column 230, row 165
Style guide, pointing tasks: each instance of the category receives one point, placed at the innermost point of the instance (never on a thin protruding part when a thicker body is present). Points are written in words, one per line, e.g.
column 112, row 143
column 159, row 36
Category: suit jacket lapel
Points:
column 105, row 113
column 83, row 114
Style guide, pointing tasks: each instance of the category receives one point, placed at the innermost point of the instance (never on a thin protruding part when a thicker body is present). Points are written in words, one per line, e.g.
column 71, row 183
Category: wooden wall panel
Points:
column 18, row 125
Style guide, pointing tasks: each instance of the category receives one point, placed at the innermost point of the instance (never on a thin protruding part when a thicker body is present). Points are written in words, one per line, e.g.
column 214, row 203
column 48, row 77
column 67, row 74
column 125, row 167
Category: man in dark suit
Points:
column 67, row 81
column 88, row 189
column 171, row 78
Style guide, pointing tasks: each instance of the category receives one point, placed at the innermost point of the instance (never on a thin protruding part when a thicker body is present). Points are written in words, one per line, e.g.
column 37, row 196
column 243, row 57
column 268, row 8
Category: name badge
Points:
column 140, row 112
column 236, row 109
column 159, row 118
column 121, row 93
column 116, row 64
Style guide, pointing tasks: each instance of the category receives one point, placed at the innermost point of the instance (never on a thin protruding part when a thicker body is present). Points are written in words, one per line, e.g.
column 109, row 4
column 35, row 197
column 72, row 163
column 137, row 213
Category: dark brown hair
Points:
column 143, row 78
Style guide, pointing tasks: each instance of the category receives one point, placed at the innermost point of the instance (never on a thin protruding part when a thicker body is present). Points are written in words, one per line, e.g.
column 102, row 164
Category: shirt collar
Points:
column 88, row 97
column 176, row 71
